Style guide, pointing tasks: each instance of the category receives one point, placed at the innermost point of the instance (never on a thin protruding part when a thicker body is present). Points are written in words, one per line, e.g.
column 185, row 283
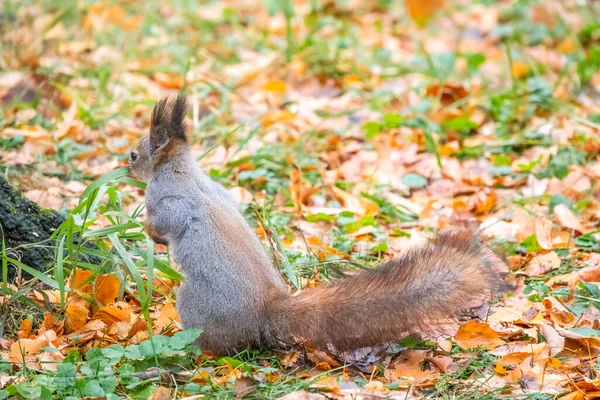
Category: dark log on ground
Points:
column 27, row 228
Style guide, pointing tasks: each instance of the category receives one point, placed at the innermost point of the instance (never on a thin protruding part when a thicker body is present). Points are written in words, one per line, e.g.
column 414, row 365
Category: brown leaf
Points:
column 543, row 233
column 474, row 334
column 556, row 342
column 411, row 364
column 296, row 188
column 303, row 395
column 243, row 386
column 161, row 393
column 567, row 218
column 539, row 265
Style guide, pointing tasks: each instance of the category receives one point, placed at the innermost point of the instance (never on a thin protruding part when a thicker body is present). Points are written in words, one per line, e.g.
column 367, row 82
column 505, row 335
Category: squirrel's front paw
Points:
column 154, row 234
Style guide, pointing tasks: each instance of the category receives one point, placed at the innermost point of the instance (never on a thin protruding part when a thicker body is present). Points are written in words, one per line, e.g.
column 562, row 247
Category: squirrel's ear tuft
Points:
column 168, row 120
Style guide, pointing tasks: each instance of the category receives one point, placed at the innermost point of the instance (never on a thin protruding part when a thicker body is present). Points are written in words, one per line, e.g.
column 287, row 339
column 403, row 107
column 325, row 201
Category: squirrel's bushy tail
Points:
column 429, row 284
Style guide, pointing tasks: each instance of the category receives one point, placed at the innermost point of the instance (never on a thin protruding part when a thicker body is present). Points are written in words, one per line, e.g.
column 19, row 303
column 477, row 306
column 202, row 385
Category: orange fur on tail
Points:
column 428, row 284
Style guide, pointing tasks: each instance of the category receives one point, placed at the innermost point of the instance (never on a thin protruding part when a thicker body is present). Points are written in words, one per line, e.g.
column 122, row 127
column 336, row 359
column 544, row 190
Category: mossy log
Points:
column 27, row 227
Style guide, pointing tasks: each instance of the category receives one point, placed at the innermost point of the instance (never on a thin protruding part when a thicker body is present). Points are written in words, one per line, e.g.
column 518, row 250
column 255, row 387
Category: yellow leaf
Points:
column 500, row 370
column 275, row 86
column 519, row 69
column 474, row 334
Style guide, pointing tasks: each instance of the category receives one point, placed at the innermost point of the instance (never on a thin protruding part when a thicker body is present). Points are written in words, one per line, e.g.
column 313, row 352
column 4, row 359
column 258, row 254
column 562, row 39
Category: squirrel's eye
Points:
column 134, row 156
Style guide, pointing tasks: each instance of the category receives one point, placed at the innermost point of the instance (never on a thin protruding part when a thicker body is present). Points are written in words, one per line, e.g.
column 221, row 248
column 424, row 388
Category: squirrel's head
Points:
column 167, row 125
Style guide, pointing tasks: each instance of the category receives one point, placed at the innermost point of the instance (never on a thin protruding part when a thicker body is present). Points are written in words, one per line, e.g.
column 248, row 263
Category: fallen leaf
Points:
column 556, row 342
column 161, row 393
column 76, row 317
column 543, row 233
column 25, row 329
column 474, row 334
column 422, row 11
column 275, row 86
column 107, row 289
column 541, row 264
column 243, row 386
column 567, row 218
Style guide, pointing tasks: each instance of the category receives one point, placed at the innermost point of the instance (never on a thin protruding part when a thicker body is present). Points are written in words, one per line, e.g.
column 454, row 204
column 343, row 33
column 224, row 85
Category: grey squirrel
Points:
column 233, row 292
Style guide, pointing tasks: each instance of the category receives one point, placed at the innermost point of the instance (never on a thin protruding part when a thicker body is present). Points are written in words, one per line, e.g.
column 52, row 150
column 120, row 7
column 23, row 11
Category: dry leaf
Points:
column 76, row 317
column 556, row 342
column 243, row 386
column 107, row 289
column 474, row 334
column 422, row 11
column 275, row 86
column 25, row 329
column 161, row 393
column 541, row 264
column 567, row 218
column 543, row 233
column 296, row 188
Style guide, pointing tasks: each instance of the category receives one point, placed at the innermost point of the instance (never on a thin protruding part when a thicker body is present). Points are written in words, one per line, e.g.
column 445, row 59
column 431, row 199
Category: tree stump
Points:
column 27, row 228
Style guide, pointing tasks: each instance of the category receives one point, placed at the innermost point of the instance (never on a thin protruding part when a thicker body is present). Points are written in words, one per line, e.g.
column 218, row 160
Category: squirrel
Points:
column 232, row 291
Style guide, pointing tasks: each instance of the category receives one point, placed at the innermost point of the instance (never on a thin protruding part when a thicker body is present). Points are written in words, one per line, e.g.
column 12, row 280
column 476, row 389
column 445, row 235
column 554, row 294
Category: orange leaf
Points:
column 519, row 69
column 485, row 202
column 166, row 316
column 76, row 317
column 112, row 313
column 78, row 280
column 422, row 11
column 274, row 117
column 107, row 289
column 275, row 86
column 25, row 347
column 168, row 80
column 25, row 330
column 474, row 334
column 296, row 188
column 410, row 364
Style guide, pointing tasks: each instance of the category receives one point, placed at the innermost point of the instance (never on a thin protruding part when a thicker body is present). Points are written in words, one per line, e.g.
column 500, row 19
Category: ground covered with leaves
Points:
column 348, row 131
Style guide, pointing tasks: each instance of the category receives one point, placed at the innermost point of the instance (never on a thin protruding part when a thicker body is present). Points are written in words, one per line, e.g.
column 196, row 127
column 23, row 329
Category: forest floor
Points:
column 348, row 131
